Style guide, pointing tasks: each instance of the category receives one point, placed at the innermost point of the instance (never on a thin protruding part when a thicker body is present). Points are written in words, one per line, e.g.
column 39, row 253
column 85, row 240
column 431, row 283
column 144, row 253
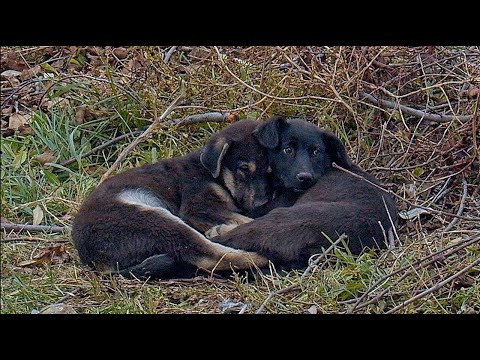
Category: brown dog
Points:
column 151, row 220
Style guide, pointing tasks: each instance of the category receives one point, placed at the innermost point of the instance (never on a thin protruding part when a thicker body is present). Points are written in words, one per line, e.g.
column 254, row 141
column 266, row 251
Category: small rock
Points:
column 10, row 73
column 228, row 306
column 58, row 309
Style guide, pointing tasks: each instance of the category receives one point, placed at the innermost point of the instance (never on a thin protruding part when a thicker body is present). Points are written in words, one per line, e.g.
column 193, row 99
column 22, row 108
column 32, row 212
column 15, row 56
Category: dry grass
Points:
column 426, row 163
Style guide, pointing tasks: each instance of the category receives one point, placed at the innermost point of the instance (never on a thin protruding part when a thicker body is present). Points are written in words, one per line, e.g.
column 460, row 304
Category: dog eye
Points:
column 316, row 152
column 288, row 150
column 243, row 167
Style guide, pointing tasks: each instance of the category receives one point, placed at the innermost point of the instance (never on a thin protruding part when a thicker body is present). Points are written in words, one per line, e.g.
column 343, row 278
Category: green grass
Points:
column 121, row 98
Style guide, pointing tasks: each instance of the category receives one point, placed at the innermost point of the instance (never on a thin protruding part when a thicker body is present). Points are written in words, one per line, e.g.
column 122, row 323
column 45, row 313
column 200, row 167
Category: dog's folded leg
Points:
column 224, row 258
column 156, row 266
column 219, row 230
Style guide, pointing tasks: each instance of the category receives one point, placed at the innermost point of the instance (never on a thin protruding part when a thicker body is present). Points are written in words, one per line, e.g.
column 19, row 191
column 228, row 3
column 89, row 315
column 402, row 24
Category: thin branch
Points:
column 278, row 292
column 414, row 112
column 476, row 119
column 435, row 287
column 392, row 243
column 19, row 227
column 403, row 199
column 460, row 208
column 68, row 294
column 169, row 54
column 154, row 125
column 317, row 260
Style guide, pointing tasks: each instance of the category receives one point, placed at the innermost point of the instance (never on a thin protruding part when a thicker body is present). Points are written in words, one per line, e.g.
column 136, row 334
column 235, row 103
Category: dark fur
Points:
column 337, row 203
column 114, row 236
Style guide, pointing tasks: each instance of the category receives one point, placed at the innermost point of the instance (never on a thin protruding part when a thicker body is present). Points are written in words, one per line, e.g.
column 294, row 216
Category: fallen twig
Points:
column 403, row 199
column 154, row 125
column 19, row 227
column 278, row 292
column 418, row 113
column 68, row 295
column 435, row 287
column 169, row 54
column 476, row 118
column 460, row 208
column 317, row 260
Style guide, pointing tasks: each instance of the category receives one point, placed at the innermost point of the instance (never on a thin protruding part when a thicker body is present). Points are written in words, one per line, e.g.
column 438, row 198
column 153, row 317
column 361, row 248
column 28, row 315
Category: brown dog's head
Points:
column 299, row 152
column 236, row 159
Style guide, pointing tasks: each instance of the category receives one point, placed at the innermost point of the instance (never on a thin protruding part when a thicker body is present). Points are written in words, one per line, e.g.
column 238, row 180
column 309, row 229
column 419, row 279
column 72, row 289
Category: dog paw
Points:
column 219, row 230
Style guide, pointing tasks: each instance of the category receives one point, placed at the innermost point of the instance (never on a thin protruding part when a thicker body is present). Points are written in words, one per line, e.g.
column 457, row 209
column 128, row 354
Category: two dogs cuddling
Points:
column 257, row 192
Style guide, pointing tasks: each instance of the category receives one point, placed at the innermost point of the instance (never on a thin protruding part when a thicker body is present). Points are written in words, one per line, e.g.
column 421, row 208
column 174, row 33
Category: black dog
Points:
column 149, row 221
column 326, row 201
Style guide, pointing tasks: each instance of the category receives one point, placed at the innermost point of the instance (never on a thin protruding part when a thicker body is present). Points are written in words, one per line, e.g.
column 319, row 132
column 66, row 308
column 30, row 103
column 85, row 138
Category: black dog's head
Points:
column 240, row 163
column 299, row 152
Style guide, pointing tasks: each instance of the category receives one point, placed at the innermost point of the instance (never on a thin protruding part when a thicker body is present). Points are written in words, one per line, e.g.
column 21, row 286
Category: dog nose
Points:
column 305, row 178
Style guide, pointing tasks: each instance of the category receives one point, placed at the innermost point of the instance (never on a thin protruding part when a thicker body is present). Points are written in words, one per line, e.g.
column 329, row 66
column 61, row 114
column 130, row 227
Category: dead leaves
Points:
column 473, row 92
column 80, row 114
column 56, row 254
column 13, row 62
column 120, row 52
column 15, row 121
column 46, row 157
column 30, row 73
column 37, row 215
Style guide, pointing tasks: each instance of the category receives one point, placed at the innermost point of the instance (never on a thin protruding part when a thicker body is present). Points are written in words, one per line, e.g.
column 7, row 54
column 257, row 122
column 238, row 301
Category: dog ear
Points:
column 267, row 133
column 336, row 151
column 213, row 153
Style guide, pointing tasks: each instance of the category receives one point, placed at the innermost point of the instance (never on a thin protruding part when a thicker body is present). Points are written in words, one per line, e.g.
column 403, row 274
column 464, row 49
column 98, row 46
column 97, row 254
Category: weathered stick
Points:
column 476, row 119
column 418, row 113
column 19, row 227
column 169, row 54
column 317, row 260
column 273, row 293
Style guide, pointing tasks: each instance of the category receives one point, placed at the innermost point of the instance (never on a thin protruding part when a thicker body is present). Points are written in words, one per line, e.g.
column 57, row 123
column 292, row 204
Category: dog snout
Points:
column 305, row 178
